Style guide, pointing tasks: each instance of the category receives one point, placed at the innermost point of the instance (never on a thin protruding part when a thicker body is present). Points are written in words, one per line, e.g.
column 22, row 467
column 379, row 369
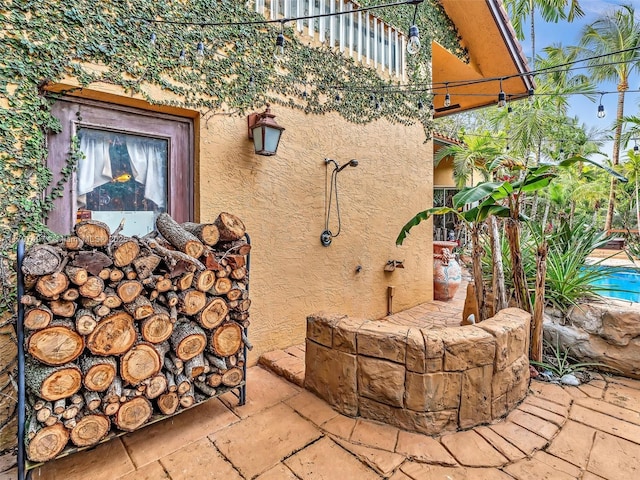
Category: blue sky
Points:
column 569, row 34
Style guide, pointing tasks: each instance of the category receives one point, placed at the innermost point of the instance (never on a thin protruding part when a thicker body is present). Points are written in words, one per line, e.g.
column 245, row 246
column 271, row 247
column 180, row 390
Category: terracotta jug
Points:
column 446, row 271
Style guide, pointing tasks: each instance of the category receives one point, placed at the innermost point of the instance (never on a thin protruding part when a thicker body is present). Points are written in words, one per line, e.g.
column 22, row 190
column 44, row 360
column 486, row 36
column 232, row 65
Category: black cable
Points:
column 281, row 20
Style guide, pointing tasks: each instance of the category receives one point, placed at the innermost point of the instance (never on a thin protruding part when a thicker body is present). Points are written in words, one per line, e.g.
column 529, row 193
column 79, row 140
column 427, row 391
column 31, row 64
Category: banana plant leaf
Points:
column 611, row 171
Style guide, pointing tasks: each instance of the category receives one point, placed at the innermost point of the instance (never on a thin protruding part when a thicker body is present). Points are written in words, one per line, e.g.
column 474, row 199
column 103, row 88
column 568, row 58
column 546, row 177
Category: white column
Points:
column 360, row 36
column 322, row 26
column 375, row 41
column 351, row 29
column 332, row 24
column 341, row 24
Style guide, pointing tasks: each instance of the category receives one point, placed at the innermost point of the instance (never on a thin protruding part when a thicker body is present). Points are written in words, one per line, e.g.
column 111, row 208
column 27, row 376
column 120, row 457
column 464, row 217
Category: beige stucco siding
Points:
column 281, row 200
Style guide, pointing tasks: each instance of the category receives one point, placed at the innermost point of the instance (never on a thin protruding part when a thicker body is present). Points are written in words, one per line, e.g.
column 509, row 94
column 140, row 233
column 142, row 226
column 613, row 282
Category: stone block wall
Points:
column 423, row 380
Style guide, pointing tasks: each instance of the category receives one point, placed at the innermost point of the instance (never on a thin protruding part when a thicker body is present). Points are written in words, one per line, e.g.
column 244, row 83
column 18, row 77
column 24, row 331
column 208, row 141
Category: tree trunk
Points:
column 232, row 377
column 93, row 287
column 93, row 233
column 133, row 413
column 213, row 314
column 157, row 386
column 47, row 442
column 139, row 308
column 37, row 318
column 231, row 227
column 53, row 383
column 42, row 260
column 98, row 372
column 227, row 339
column 207, row 233
column 63, row 308
column 158, row 327
column 191, row 301
column 124, row 249
column 144, row 265
column 178, row 236
column 114, row 335
column 615, row 160
column 188, row 340
column 538, row 311
column 204, row 280
column 168, row 403
column 89, row 430
column 521, row 291
column 477, row 271
column 55, row 345
column 51, row 286
column 129, row 290
column 499, row 289
column 141, row 362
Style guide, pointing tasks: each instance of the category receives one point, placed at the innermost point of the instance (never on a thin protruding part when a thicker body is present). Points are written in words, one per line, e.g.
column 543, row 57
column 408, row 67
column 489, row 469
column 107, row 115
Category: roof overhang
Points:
column 494, row 53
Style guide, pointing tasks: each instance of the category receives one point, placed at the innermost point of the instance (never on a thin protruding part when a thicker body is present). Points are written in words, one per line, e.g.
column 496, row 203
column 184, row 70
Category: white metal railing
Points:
column 360, row 34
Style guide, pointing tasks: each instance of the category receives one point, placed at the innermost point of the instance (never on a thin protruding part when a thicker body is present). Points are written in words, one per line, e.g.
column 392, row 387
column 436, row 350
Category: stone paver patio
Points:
column 284, row 432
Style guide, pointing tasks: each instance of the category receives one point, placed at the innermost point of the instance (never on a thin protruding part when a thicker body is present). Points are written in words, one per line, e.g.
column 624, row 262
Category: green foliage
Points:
column 559, row 362
column 569, row 275
column 43, row 42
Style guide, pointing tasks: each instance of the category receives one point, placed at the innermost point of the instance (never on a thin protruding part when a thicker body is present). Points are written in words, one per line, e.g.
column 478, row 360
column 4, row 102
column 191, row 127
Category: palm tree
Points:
column 632, row 171
column 619, row 32
column 550, row 10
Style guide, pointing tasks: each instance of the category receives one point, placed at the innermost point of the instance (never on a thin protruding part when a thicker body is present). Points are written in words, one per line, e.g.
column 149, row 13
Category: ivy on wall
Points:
column 43, row 42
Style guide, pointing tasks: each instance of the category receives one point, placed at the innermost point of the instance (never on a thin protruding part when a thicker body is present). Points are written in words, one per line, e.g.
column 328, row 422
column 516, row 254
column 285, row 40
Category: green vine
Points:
column 43, row 42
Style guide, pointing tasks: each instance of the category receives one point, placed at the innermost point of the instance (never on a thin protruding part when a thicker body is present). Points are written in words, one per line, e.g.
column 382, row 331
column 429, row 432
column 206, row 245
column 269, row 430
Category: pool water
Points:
column 624, row 284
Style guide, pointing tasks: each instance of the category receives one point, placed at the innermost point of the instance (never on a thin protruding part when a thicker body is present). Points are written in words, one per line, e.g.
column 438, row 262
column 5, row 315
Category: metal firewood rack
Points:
column 25, row 467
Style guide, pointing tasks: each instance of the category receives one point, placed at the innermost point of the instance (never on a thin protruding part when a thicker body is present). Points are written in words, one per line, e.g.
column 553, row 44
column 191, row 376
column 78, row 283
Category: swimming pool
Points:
column 613, row 285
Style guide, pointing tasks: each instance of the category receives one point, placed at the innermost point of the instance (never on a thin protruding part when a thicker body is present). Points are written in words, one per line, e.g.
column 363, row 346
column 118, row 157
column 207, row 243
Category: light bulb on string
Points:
column 200, row 52
column 447, row 97
column 502, row 97
column 278, row 53
column 338, row 98
column 152, row 40
column 601, row 112
column 183, row 57
column 413, row 46
column 635, row 147
column 420, row 105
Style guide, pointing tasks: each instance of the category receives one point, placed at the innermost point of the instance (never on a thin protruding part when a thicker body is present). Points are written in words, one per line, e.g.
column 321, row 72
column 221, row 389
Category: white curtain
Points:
column 148, row 165
column 95, row 169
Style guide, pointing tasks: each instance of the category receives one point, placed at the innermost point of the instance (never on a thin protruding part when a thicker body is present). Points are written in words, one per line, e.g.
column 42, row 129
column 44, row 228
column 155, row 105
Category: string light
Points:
column 416, row 40
column 601, row 111
column 635, row 146
column 183, row 57
column 152, row 39
column 413, row 46
column 278, row 53
column 502, row 98
column 447, row 97
column 200, row 52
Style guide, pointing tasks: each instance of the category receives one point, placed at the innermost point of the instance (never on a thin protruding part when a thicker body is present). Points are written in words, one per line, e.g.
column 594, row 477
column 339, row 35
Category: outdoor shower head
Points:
column 350, row 163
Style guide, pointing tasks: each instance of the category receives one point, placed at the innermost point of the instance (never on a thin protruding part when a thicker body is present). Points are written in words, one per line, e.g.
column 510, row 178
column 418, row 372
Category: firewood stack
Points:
column 121, row 329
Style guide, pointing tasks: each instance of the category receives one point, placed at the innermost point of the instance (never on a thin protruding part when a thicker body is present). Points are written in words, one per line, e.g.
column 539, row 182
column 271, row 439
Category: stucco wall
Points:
column 281, row 199
column 443, row 174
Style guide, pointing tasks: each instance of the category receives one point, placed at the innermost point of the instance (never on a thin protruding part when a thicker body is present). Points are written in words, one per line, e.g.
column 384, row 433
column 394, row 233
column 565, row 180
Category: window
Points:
column 445, row 227
column 136, row 164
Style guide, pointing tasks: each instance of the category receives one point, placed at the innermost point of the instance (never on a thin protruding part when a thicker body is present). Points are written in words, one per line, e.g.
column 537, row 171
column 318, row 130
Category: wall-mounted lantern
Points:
column 264, row 131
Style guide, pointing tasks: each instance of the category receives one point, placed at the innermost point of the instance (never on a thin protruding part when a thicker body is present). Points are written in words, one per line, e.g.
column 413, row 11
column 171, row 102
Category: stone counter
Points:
column 423, row 380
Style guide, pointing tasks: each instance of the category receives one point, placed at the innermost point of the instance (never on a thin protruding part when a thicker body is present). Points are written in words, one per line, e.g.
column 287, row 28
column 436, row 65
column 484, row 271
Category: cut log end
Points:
column 89, row 430
column 133, row 413
column 47, row 443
